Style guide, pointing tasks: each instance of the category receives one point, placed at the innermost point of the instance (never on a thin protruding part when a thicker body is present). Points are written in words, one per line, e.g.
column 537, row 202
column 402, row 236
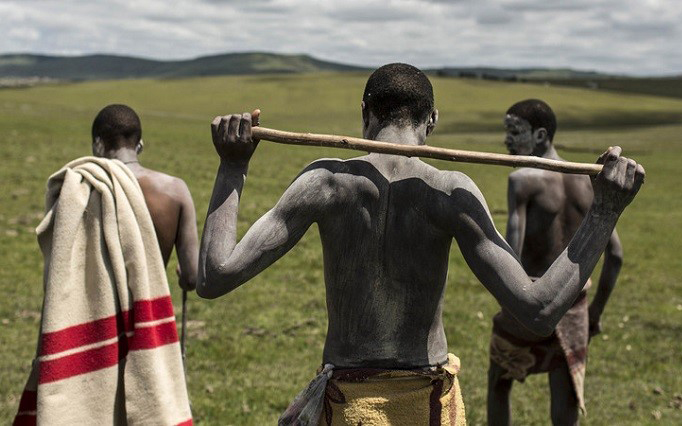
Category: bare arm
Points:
column 224, row 263
column 187, row 240
column 540, row 305
column 613, row 260
column 517, row 201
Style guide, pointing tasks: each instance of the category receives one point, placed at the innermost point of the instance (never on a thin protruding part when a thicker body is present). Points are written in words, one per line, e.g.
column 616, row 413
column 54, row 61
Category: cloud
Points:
column 623, row 36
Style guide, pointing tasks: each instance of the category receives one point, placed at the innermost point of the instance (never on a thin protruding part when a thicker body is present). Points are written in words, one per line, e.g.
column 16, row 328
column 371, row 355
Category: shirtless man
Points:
column 545, row 210
column 117, row 134
column 386, row 223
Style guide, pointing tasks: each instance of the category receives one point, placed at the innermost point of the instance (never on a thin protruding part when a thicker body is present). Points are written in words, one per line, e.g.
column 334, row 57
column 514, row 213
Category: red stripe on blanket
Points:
column 152, row 310
column 82, row 362
column 25, row 420
column 85, row 334
column 105, row 328
column 153, row 337
column 186, row 423
column 109, row 355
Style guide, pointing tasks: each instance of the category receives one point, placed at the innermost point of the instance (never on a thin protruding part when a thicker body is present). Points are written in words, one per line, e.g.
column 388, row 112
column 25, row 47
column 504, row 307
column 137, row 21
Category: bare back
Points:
column 386, row 260
column 160, row 194
column 172, row 210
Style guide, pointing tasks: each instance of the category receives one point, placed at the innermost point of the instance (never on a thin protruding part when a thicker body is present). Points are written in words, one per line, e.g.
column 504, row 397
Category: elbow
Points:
column 213, row 284
column 539, row 319
column 204, row 292
column 541, row 325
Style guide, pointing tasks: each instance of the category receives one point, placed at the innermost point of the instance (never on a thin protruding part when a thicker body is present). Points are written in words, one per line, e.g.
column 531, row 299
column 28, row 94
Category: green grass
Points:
column 251, row 351
column 662, row 86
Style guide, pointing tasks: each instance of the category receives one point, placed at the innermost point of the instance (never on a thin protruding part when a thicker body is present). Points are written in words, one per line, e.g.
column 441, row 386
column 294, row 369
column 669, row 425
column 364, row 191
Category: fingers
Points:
column 245, row 128
column 630, row 167
column 214, row 126
column 640, row 174
column 255, row 121
column 611, row 159
column 602, row 157
column 233, row 127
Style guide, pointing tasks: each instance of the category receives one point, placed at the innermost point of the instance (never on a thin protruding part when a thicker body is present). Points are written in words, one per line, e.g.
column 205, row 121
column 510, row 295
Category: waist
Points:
column 451, row 364
column 406, row 361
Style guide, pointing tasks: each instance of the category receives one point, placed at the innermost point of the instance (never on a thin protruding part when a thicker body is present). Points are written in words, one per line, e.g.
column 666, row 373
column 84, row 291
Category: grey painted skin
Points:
column 386, row 224
column 545, row 210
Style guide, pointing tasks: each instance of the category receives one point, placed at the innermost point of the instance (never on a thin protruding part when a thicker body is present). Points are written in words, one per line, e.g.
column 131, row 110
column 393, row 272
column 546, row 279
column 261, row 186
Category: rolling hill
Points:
column 31, row 69
column 104, row 67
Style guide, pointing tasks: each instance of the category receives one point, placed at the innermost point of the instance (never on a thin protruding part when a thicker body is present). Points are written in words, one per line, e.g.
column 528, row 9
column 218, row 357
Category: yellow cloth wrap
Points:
column 397, row 397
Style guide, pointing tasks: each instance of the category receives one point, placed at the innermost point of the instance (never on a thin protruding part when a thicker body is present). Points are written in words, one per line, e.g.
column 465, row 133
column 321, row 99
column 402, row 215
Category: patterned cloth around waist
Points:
column 566, row 346
column 380, row 397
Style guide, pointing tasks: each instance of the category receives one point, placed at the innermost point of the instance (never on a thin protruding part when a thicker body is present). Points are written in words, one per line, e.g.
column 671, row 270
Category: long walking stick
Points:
column 347, row 142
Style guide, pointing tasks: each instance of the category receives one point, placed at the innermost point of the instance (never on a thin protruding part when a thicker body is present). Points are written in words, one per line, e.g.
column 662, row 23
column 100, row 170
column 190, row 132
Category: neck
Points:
column 549, row 153
column 404, row 135
column 125, row 155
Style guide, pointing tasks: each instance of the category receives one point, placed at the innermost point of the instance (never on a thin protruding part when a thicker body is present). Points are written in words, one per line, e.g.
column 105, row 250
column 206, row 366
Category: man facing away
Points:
column 545, row 210
column 386, row 224
column 117, row 134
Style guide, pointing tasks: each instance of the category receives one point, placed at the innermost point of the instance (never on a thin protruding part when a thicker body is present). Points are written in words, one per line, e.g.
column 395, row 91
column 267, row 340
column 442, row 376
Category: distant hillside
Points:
column 99, row 67
column 656, row 86
column 515, row 74
column 670, row 87
column 29, row 69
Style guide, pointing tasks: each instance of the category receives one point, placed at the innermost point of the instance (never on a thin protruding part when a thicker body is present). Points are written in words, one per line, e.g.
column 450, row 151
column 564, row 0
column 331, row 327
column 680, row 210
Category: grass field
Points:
column 251, row 351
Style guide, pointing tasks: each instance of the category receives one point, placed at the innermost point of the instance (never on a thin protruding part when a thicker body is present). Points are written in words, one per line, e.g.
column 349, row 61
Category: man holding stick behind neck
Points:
column 386, row 223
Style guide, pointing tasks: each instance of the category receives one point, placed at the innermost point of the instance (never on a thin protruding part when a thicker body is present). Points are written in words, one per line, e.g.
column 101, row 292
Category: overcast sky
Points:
column 620, row 36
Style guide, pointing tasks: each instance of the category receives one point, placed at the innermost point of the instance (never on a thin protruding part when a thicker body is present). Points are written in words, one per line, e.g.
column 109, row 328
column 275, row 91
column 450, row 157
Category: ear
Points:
column 139, row 147
column 98, row 147
column 431, row 124
column 540, row 135
column 365, row 114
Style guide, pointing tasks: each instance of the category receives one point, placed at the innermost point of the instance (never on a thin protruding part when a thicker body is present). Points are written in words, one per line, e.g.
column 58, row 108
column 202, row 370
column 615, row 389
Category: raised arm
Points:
column 225, row 264
column 613, row 260
column 540, row 305
column 187, row 240
column 517, row 201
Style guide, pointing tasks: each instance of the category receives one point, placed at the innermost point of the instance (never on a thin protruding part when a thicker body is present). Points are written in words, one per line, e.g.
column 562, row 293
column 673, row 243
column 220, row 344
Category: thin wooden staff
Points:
column 347, row 142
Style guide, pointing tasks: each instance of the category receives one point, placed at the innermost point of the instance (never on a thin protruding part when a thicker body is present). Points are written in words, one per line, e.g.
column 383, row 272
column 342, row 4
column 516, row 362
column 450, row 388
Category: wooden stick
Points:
column 347, row 142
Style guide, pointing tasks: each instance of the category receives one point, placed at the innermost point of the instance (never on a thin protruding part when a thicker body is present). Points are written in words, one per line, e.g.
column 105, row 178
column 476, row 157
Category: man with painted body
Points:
column 386, row 224
column 117, row 134
column 545, row 210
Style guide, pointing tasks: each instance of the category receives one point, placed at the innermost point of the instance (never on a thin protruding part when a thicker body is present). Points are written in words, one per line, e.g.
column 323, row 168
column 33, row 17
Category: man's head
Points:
column 530, row 127
column 116, row 127
column 401, row 95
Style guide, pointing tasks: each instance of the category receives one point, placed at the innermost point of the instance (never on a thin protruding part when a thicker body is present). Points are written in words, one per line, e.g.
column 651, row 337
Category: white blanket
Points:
column 108, row 351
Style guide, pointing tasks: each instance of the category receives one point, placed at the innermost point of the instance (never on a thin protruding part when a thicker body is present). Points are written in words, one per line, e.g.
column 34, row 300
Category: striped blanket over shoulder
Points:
column 108, row 351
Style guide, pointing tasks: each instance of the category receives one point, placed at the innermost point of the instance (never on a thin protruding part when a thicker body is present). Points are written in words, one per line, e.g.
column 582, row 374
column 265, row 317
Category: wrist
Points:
column 603, row 213
column 234, row 164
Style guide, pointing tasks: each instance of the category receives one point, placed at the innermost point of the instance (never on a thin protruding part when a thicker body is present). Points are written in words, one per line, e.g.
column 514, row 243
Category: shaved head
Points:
column 399, row 93
column 537, row 113
column 117, row 126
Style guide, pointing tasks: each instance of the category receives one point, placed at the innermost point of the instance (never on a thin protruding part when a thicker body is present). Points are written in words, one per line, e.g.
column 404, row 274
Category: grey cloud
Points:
column 611, row 35
column 494, row 17
column 369, row 14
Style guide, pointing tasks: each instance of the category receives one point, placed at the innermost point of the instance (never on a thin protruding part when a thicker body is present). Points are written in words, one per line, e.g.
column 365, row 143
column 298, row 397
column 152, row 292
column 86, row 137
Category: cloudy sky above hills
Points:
column 639, row 37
